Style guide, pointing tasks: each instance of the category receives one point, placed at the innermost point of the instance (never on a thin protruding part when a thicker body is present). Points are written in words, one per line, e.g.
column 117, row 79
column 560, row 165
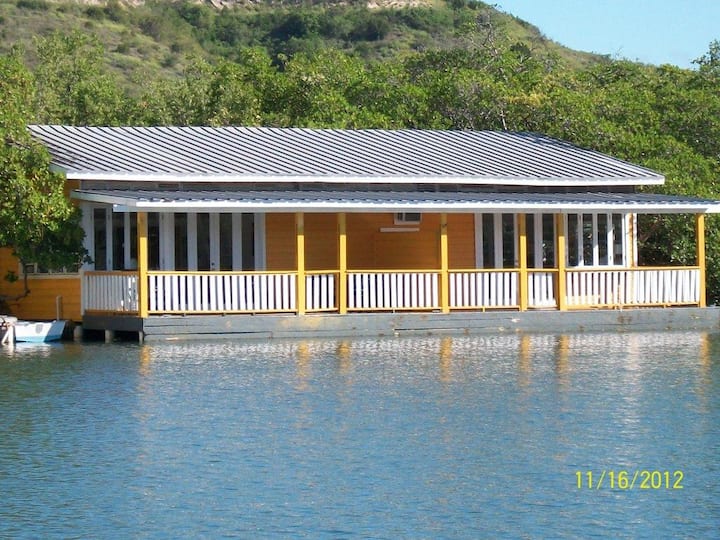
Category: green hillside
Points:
column 158, row 37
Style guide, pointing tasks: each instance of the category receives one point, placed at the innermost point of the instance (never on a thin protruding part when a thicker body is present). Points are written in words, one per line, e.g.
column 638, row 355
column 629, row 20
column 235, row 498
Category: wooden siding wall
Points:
column 40, row 303
column 369, row 247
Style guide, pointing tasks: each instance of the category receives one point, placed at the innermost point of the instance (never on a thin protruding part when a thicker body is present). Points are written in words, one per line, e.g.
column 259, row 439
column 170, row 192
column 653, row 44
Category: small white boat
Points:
column 38, row 332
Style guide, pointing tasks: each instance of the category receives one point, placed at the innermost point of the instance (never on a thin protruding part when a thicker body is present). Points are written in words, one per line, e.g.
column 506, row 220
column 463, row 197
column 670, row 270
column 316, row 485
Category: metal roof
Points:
column 353, row 201
column 263, row 154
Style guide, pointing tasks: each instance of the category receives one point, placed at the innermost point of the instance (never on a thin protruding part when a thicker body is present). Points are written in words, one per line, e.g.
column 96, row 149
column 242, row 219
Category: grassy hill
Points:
column 157, row 38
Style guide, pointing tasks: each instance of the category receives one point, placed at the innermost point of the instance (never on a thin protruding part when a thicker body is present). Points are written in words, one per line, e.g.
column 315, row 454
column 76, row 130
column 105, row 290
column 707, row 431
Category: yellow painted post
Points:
column 700, row 241
column 142, row 255
column 560, row 253
column 523, row 286
column 444, row 267
column 300, row 250
column 342, row 263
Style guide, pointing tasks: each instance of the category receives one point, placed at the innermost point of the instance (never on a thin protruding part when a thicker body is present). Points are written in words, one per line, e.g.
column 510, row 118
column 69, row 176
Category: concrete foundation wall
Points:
column 392, row 324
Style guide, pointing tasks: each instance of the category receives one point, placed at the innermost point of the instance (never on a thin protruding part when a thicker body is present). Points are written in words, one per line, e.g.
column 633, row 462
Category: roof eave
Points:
column 341, row 179
column 129, row 204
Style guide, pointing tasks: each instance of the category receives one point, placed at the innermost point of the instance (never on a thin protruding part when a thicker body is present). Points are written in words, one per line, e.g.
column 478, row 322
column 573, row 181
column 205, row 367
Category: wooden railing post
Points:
column 523, row 285
column 342, row 263
column 444, row 266
column 142, row 255
column 560, row 254
column 300, row 250
column 700, row 243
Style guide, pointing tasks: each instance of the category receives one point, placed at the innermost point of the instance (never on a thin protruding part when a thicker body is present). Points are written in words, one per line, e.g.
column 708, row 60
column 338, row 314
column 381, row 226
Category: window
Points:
column 36, row 269
column 596, row 239
column 407, row 218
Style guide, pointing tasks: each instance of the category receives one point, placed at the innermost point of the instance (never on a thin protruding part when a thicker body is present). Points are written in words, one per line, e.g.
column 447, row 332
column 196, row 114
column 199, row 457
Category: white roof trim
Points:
column 508, row 181
column 379, row 202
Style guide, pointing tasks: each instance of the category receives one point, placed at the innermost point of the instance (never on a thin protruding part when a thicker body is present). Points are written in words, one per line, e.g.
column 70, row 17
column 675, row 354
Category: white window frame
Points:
column 403, row 218
column 627, row 234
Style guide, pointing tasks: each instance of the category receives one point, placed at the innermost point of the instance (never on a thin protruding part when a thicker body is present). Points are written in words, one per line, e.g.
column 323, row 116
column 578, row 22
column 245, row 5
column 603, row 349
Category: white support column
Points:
column 498, row 240
column 237, row 246
column 580, row 239
column 192, row 241
column 167, row 241
column 595, row 245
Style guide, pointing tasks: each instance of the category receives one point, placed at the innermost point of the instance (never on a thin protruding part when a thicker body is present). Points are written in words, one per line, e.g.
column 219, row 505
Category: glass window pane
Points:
column 617, row 220
column 602, row 239
column 154, row 241
column 572, row 240
column 530, row 234
column 488, row 241
column 100, row 238
column 203, row 241
column 133, row 240
column 248, row 242
column 181, row 246
column 508, row 234
column 587, row 232
column 226, row 242
column 118, row 238
column 548, row 234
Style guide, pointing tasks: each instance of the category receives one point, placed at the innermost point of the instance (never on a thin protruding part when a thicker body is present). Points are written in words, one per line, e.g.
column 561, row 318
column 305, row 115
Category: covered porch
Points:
column 515, row 252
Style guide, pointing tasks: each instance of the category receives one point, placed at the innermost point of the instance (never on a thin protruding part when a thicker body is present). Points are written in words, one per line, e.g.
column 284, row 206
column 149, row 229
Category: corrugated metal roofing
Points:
column 330, row 155
column 353, row 201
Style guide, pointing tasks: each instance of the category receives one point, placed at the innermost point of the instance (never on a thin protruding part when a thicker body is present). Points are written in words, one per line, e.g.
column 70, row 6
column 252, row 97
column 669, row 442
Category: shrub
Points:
column 40, row 5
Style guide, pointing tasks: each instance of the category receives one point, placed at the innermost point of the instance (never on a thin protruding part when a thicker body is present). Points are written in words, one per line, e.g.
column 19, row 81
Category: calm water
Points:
column 462, row 437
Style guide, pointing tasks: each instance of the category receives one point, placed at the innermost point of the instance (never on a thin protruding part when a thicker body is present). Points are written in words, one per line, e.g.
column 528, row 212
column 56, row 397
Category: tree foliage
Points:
column 36, row 219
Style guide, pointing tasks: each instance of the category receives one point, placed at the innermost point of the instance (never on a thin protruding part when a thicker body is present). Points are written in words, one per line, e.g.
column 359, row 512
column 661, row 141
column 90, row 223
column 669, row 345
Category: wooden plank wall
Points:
column 40, row 303
column 368, row 246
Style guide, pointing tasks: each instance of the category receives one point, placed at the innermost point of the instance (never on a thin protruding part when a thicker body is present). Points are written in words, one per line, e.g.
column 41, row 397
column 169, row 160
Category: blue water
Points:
column 462, row 437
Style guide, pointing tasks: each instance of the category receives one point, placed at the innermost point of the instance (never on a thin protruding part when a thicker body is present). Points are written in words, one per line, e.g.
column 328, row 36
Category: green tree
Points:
column 36, row 219
column 73, row 84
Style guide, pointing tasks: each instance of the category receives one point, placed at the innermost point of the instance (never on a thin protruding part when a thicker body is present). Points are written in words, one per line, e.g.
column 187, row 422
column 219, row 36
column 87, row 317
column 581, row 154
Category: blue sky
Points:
column 651, row 31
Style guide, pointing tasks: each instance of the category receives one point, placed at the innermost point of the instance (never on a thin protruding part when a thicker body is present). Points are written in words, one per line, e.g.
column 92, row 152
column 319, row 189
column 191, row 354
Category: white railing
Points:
column 483, row 289
column 641, row 287
column 252, row 292
column 320, row 294
column 392, row 290
column 221, row 292
column 110, row 291
column 541, row 289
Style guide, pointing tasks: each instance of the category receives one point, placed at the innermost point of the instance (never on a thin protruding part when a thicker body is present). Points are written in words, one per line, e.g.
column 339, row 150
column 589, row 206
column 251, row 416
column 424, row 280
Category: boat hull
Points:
column 38, row 332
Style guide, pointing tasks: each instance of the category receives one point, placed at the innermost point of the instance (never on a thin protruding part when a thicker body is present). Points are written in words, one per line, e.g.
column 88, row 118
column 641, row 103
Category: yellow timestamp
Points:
column 627, row 480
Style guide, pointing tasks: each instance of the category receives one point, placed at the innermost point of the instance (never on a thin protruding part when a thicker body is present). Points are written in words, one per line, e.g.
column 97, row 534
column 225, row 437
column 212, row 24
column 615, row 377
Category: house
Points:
column 198, row 226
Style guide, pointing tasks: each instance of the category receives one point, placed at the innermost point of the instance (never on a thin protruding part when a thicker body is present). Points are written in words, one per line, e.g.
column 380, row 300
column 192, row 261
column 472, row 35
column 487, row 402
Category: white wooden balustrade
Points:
column 252, row 292
column 541, row 289
column 484, row 289
column 320, row 293
column 110, row 291
column 392, row 290
column 221, row 292
column 641, row 287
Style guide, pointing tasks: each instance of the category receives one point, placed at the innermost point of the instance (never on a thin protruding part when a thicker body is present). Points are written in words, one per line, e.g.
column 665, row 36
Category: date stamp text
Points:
column 629, row 480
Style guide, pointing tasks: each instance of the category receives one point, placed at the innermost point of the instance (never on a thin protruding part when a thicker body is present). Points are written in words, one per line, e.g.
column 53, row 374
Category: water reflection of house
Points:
column 234, row 221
